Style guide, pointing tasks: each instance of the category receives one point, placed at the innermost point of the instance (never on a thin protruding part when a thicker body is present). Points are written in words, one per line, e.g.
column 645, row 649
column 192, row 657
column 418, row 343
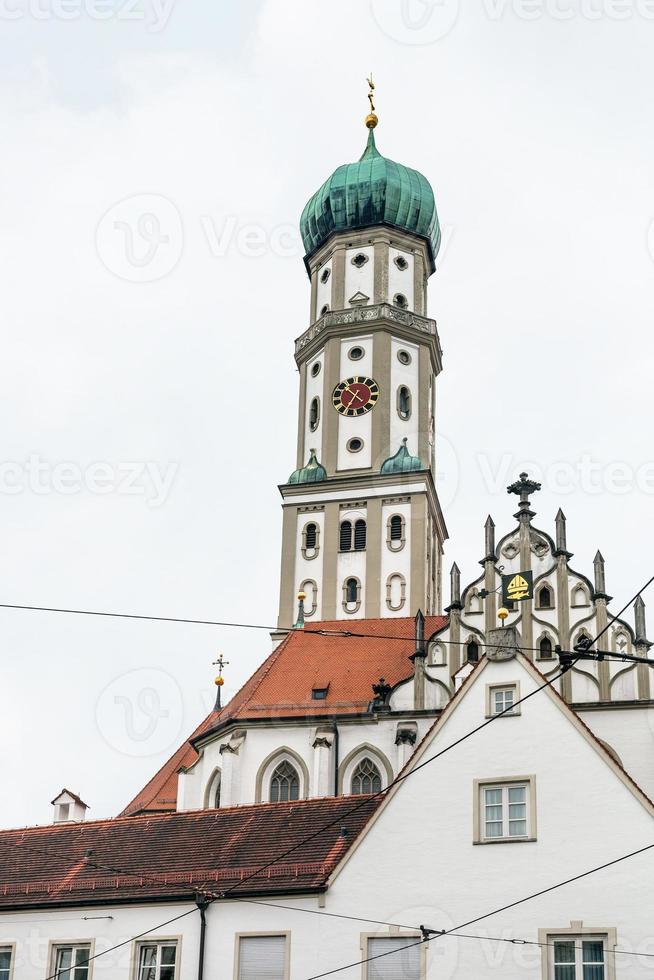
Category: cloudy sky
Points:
column 156, row 157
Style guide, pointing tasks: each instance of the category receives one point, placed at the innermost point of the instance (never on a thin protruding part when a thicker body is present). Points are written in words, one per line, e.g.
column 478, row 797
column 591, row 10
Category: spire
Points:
column 489, row 528
column 299, row 623
column 523, row 488
column 455, row 587
column 561, row 541
column 600, row 578
column 641, row 625
column 420, row 634
column 220, row 680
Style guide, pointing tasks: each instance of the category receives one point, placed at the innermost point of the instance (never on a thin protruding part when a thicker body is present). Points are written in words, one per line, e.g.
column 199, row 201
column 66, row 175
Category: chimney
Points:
column 68, row 807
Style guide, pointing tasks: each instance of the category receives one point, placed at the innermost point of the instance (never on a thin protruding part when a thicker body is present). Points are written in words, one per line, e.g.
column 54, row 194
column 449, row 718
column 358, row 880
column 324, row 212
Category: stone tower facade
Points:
column 363, row 531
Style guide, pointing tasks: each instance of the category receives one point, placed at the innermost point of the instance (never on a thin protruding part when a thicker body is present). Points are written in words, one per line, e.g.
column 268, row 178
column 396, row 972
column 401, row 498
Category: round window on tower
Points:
column 315, row 369
column 400, row 300
column 325, row 309
column 355, row 353
column 404, row 357
column 354, row 445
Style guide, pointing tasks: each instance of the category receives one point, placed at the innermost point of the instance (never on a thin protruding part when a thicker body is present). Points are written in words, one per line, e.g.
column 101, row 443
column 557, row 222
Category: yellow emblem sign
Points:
column 517, row 587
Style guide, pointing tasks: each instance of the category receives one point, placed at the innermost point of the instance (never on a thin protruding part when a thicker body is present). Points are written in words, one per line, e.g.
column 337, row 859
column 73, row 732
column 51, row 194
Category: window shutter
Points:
column 262, row 958
column 404, row 965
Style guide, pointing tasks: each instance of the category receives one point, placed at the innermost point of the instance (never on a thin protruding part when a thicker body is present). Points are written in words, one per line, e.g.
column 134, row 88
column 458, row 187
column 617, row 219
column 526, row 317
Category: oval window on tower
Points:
column 404, row 357
column 314, row 414
column 355, row 353
column 404, row 402
column 325, row 275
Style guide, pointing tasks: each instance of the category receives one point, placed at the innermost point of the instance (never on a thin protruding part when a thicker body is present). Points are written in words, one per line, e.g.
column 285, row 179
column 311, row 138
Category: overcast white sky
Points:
column 163, row 349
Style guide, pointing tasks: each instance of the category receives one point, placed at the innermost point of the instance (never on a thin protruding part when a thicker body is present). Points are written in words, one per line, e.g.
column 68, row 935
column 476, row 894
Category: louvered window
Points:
column 366, row 778
column 284, row 784
column 262, row 958
column 403, row 961
column 360, row 536
column 396, row 528
column 311, row 536
column 346, row 536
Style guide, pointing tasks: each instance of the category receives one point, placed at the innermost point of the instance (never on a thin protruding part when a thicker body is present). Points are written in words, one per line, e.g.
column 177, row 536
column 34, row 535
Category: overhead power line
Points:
column 306, row 630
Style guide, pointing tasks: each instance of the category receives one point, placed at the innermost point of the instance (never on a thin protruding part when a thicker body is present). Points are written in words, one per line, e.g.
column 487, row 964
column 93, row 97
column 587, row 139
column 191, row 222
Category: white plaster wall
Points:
column 395, row 561
column 436, row 875
column 400, row 281
column 310, row 567
column 361, row 426
column 315, row 388
column 359, row 280
column 630, row 733
column 408, row 375
column 324, row 289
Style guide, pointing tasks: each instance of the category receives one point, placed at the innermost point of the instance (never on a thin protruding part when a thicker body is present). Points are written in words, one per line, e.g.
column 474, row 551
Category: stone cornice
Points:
column 381, row 316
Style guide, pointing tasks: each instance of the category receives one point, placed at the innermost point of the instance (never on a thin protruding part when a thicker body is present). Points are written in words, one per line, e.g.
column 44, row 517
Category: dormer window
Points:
column 319, row 694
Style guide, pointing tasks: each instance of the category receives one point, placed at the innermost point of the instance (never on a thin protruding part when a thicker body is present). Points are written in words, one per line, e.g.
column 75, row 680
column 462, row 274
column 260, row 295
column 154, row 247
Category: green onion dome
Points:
column 402, row 462
column 313, row 472
column 374, row 191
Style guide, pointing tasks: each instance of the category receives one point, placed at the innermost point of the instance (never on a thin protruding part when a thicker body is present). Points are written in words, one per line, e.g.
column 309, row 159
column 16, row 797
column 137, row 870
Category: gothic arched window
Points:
column 360, row 535
column 545, row 648
column 351, row 590
column 284, row 784
column 545, row 597
column 346, row 536
column 366, row 778
column 472, row 651
column 404, row 402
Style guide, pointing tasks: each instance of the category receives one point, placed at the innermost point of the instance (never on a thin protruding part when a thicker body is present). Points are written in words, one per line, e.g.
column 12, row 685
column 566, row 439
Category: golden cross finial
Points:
column 220, row 663
column 371, row 118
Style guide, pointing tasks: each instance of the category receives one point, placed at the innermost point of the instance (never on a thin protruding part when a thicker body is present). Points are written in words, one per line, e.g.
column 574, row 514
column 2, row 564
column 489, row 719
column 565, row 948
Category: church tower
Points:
column 363, row 531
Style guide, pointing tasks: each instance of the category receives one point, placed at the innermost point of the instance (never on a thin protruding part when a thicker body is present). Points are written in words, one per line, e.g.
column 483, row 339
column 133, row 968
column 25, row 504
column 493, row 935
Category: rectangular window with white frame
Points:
column 6, row 962
column 578, row 953
column 157, row 960
column 505, row 810
column 397, row 957
column 501, row 699
column 71, row 961
column 265, row 956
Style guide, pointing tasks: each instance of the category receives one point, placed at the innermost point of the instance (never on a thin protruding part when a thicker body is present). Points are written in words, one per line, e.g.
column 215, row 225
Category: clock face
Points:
column 355, row 396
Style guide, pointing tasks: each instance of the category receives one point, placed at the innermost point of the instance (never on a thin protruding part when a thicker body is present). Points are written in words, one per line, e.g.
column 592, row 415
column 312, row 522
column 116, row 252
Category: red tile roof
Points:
column 208, row 849
column 282, row 686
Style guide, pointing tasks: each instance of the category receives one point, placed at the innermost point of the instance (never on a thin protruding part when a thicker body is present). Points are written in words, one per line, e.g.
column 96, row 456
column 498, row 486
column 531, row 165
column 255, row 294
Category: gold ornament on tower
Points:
column 371, row 118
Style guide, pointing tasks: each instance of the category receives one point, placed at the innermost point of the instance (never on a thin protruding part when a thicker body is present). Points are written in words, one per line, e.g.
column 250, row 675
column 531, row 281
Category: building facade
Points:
column 278, row 842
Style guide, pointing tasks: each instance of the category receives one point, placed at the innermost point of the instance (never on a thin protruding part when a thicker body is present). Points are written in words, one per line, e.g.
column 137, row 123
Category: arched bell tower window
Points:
column 472, row 652
column 312, row 535
column 366, row 778
column 404, row 402
column 314, row 414
column 351, row 595
column 284, row 784
column 360, row 533
column 396, row 532
column 310, row 540
column 345, row 542
column 545, row 597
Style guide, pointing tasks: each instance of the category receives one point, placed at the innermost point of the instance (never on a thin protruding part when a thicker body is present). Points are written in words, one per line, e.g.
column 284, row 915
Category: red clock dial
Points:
column 355, row 396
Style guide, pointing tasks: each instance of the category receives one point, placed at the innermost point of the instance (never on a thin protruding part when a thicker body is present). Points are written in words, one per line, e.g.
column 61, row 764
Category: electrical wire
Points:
column 335, row 633
column 126, row 942
column 436, row 934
